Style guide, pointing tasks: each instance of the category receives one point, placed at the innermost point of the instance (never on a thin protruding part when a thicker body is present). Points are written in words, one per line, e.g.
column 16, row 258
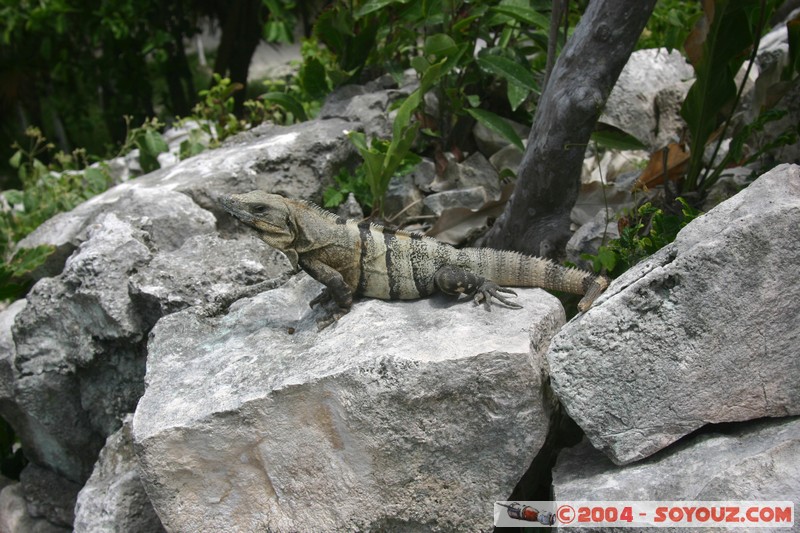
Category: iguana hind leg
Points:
column 456, row 281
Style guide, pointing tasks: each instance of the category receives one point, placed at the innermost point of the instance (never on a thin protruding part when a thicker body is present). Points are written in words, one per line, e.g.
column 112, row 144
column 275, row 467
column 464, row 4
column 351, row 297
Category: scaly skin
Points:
column 362, row 259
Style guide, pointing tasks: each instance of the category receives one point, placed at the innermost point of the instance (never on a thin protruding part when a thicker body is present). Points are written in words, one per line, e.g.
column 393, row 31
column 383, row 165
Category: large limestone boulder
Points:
column 72, row 355
column 401, row 416
column 297, row 161
column 704, row 331
column 646, row 99
column 113, row 498
column 735, row 462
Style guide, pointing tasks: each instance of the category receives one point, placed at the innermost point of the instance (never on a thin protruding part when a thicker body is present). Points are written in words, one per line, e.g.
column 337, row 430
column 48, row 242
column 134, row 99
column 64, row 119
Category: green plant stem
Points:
column 711, row 176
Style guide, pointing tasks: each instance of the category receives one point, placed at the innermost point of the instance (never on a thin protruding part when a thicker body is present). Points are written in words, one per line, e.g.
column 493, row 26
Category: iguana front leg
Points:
column 335, row 286
column 456, row 281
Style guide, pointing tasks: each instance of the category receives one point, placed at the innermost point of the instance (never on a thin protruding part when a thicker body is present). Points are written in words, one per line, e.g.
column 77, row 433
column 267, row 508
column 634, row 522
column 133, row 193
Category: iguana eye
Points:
column 259, row 209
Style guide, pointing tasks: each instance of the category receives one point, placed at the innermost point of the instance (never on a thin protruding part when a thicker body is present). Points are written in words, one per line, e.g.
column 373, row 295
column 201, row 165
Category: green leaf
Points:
column 16, row 159
column 498, row 125
column 617, row 140
column 288, row 102
column 523, row 14
column 13, row 196
column 26, row 260
column 96, row 180
column 313, row 79
column 516, row 95
column 189, row 148
column 510, row 70
column 154, row 143
column 375, row 5
column 359, row 140
column 608, row 259
column 716, row 56
column 420, row 64
column 332, row 197
column 440, row 46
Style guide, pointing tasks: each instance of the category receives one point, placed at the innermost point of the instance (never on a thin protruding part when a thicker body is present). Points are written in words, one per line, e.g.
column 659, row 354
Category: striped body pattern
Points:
column 362, row 259
column 397, row 265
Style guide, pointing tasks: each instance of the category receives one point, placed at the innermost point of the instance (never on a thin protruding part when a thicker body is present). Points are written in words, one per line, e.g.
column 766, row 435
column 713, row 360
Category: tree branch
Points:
column 536, row 219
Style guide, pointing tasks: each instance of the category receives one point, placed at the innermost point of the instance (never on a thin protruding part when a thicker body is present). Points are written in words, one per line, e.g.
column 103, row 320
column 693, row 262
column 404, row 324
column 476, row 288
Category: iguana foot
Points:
column 322, row 299
column 325, row 299
column 331, row 318
column 456, row 281
column 489, row 290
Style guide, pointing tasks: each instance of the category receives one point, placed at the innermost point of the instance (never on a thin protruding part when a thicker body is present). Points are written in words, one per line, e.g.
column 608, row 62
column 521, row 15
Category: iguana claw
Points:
column 322, row 299
column 489, row 290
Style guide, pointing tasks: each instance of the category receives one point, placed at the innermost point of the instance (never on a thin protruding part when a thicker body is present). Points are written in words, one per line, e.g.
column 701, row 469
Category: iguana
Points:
column 363, row 259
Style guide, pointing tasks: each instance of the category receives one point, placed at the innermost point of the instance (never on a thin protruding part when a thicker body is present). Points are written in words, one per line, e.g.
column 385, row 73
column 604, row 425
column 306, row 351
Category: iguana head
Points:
column 269, row 215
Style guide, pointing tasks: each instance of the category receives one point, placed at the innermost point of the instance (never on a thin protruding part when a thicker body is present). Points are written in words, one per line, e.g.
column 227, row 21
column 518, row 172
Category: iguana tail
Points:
column 513, row 269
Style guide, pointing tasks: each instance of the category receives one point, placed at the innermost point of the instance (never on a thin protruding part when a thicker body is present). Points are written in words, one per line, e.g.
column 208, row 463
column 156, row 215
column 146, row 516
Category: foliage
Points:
column 280, row 24
column 365, row 38
column 346, row 183
column 372, row 37
column 382, row 164
column 147, row 138
column 670, row 24
column 360, row 183
column 716, row 55
column 78, row 66
column 214, row 111
column 645, row 231
column 46, row 191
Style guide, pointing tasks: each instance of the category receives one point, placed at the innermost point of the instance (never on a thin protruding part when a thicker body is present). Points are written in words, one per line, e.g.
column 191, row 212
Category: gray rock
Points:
column 473, row 198
column 392, row 418
column 424, row 174
column 668, row 102
column 730, row 182
column 630, row 106
column 79, row 363
column 508, row 158
column 403, row 200
column 490, row 142
column 168, row 218
column 114, row 500
column 474, row 171
column 350, row 208
column 749, row 462
column 14, row 517
column 8, row 353
column 205, row 270
column 356, row 104
column 445, row 181
column 49, row 495
column 704, row 331
column 297, row 161
column 589, row 237
column 597, row 196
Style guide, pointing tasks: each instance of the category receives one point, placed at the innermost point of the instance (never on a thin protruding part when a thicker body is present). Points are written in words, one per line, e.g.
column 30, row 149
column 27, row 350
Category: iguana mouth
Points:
column 234, row 207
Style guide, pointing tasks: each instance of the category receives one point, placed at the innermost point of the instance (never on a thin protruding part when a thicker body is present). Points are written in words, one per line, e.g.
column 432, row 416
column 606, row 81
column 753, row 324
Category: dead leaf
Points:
column 693, row 45
column 677, row 164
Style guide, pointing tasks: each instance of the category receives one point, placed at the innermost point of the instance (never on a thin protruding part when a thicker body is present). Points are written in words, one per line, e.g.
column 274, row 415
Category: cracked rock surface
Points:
column 706, row 330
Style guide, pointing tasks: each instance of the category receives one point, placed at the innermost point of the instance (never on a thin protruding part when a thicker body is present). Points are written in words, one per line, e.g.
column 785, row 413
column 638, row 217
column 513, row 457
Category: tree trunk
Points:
column 537, row 218
column 241, row 33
